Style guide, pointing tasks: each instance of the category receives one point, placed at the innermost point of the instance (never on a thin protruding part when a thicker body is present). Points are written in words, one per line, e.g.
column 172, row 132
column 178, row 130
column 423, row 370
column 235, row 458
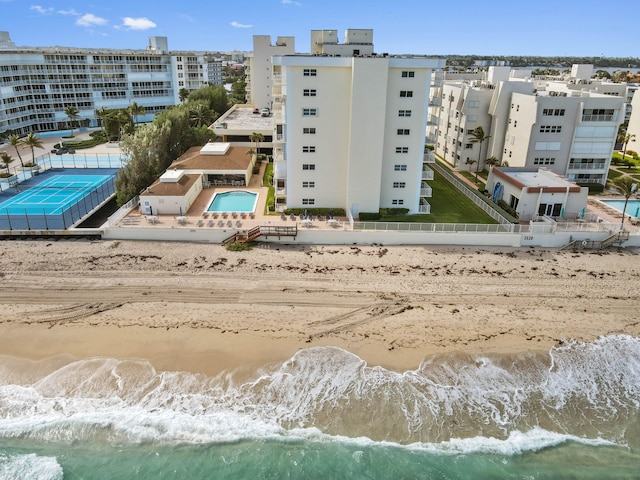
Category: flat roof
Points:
column 541, row 178
column 243, row 118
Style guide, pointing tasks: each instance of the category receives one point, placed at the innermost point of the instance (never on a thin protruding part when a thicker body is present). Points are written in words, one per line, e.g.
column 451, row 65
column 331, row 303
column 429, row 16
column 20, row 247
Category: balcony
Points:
column 429, row 156
column 426, row 191
column 586, row 166
column 598, row 118
column 427, row 173
column 424, row 208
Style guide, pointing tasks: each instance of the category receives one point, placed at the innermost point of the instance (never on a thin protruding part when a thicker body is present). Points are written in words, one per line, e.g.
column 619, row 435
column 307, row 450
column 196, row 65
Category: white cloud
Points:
column 186, row 17
column 69, row 12
column 42, row 10
column 89, row 20
column 291, row 2
column 239, row 25
column 141, row 23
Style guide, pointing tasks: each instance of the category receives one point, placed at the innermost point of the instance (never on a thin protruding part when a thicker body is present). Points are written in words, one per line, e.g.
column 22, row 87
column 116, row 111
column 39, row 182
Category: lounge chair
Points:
column 238, row 223
column 252, row 215
column 210, row 223
column 243, row 215
column 225, row 214
column 199, row 223
column 229, row 223
column 205, row 214
column 220, row 223
column 292, row 217
column 234, row 214
column 283, row 216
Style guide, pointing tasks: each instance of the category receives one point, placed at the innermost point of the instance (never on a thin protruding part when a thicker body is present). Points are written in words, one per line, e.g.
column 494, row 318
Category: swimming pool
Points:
column 57, row 133
column 633, row 206
column 235, row 201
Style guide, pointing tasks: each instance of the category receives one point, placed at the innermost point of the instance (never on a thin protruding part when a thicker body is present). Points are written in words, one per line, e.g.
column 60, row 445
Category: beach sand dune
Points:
column 202, row 308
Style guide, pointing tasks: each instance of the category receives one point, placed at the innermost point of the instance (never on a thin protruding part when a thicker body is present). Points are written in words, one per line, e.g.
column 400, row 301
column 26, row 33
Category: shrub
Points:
column 365, row 216
column 5, row 175
column 507, row 208
column 239, row 246
column 337, row 212
column 256, row 170
column 392, row 212
column 594, row 188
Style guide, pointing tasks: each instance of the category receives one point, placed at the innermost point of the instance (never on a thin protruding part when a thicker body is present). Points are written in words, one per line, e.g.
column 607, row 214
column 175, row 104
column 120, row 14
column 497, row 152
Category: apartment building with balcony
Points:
column 349, row 129
column 38, row 83
column 567, row 126
column 259, row 74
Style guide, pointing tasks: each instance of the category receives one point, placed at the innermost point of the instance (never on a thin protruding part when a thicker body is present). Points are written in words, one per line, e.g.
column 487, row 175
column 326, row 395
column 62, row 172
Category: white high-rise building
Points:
column 350, row 130
column 259, row 73
column 567, row 126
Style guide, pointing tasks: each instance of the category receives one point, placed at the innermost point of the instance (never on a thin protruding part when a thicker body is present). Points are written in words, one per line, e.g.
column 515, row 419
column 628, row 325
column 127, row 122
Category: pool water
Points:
column 235, row 201
column 633, row 206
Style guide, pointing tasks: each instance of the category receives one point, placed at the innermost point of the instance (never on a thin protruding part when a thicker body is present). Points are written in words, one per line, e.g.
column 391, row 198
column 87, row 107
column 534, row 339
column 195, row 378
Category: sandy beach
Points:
column 201, row 308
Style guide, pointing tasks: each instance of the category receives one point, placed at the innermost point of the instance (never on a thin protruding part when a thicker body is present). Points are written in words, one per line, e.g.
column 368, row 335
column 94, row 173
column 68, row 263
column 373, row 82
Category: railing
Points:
column 425, row 208
column 427, row 173
column 429, row 157
column 472, row 196
column 597, row 118
column 586, row 166
column 426, row 192
column 123, row 211
column 82, row 160
column 449, row 227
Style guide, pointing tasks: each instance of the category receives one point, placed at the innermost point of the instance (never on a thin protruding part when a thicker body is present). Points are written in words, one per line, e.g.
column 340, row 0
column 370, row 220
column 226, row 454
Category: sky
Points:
column 424, row 27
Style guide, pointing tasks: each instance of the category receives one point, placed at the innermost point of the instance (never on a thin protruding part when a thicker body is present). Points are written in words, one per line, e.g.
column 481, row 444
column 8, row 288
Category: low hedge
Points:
column 337, row 212
column 594, row 188
column 80, row 144
column 369, row 216
column 507, row 208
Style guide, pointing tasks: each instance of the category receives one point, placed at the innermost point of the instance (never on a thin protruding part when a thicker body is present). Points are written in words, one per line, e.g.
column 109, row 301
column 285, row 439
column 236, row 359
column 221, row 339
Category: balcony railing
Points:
column 427, row 173
column 597, row 118
column 587, row 166
column 429, row 156
column 426, row 192
column 426, row 208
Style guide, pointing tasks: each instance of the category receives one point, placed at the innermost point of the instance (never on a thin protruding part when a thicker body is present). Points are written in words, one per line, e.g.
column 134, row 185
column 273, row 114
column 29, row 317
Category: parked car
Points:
column 265, row 112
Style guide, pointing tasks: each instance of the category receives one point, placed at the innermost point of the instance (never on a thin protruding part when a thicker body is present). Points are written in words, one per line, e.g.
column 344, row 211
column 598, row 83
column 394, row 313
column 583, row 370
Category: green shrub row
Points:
column 508, row 208
column 80, row 144
column 382, row 213
column 594, row 188
column 337, row 212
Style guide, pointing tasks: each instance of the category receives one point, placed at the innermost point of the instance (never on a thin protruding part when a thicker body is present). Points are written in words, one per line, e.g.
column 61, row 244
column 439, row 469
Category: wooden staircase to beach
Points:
column 264, row 230
column 616, row 239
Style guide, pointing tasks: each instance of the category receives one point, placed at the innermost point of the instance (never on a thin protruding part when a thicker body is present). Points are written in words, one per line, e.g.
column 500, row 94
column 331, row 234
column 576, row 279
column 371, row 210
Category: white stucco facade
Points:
column 352, row 131
column 259, row 74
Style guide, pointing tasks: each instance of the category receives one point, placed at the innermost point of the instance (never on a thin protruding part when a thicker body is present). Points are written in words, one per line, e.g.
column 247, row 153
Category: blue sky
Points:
column 487, row 28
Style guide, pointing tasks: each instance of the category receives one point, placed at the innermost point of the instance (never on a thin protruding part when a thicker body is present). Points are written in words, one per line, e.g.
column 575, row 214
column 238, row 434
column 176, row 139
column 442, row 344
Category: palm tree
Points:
column 625, row 138
column 492, row 161
column 626, row 186
column 102, row 113
column 32, row 142
column 200, row 115
column 478, row 136
column 6, row 159
column 15, row 142
column 183, row 94
column 135, row 110
column 73, row 114
column 257, row 137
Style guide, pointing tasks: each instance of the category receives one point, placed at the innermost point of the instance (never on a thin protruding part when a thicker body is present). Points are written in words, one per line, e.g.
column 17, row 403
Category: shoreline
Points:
column 203, row 309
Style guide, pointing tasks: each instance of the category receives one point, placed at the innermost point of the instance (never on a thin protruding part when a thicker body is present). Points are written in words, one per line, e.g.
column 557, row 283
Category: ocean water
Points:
column 325, row 414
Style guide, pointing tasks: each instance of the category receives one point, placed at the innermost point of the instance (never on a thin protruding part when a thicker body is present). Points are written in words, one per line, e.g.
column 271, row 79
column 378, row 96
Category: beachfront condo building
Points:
column 259, row 69
column 350, row 126
column 566, row 125
column 38, row 83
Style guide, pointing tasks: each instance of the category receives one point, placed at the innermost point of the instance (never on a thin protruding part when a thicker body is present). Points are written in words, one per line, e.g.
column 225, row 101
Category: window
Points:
column 308, row 166
column 397, row 202
column 309, row 92
column 308, row 184
column 309, row 112
column 474, row 103
column 514, row 202
column 408, row 74
column 404, row 113
column 544, row 161
column 309, row 131
column 469, row 132
column 403, row 131
column 402, row 149
column 547, row 146
column 553, row 112
column 468, row 145
column 308, row 149
column 472, row 118
column 309, row 72
column 550, row 128
column 308, row 201
column 398, row 184
column 400, row 168
column 406, row 93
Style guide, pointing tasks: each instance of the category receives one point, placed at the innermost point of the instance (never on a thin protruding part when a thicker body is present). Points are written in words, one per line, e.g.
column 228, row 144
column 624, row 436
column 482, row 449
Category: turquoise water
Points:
column 633, row 206
column 235, row 201
column 54, row 134
column 324, row 414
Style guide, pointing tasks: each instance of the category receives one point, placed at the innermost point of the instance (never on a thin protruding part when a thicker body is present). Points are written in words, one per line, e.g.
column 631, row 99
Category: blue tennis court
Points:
column 54, row 195
column 57, row 201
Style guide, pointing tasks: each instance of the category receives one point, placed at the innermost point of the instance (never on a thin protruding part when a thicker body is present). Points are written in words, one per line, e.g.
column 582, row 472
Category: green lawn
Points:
column 613, row 174
column 472, row 177
column 448, row 205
